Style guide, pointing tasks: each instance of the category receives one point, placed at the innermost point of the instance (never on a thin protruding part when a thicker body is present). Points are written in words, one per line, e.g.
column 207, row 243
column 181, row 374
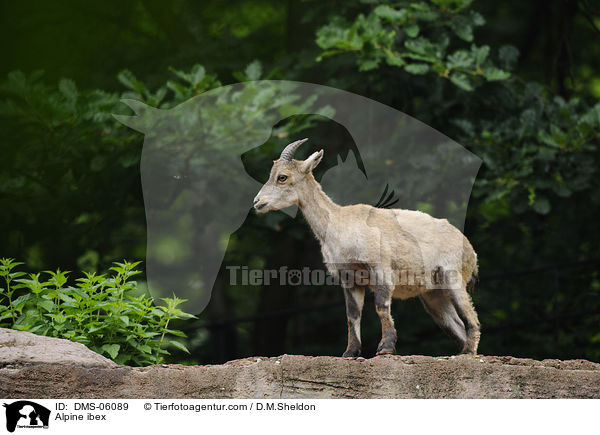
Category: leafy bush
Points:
column 538, row 149
column 101, row 311
column 419, row 37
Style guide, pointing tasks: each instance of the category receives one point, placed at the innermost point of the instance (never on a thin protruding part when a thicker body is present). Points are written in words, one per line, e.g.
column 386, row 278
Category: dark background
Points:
column 70, row 192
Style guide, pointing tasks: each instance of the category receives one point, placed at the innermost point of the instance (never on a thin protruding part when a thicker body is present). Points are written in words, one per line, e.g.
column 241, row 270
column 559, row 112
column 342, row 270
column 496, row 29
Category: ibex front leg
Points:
column 355, row 298
column 383, row 305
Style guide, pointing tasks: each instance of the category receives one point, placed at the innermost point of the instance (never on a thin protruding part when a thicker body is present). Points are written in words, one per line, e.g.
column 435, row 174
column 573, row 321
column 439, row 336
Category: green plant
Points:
column 419, row 37
column 104, row 312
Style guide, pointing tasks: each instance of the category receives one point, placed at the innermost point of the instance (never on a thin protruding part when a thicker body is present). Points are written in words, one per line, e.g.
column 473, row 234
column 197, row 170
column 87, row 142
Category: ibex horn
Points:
column 289, row 151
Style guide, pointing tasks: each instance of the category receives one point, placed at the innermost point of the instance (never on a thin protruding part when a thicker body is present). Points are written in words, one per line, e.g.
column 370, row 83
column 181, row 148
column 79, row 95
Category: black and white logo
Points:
column 26, row 414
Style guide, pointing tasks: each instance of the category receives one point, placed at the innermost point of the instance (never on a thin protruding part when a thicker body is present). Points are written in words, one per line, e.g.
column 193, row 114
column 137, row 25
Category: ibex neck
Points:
column 316, row 206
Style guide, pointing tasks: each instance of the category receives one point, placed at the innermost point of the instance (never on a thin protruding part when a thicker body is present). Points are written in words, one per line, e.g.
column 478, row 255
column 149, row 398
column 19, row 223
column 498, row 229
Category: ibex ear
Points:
column 311, row 163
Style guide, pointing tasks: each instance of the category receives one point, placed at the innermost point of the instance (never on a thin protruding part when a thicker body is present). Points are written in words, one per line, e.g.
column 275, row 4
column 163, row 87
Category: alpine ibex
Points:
column 397, row 253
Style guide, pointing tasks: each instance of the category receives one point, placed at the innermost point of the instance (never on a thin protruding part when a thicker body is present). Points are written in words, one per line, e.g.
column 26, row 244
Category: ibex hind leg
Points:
column 383, row 305
column 439, row 304
column 464, row 307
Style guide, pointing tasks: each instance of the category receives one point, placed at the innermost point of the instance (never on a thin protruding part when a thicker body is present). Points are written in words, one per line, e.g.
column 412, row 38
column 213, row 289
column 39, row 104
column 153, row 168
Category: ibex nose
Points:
column 257, row 204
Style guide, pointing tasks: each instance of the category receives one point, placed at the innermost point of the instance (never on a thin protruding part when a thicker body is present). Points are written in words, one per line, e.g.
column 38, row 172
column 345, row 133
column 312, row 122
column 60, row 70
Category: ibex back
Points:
column 396, row 253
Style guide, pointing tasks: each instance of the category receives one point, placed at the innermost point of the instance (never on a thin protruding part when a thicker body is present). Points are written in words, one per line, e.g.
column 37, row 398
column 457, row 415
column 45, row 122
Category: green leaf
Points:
column 79, row 293
column 559, row 136
column 253, row 71
column 179, row 345
column 463, row 28
column 37, row 329
column 175, row 332
column 68, row 89
column 481, row 54
column 149, row 334
column 144, row 348
column 111, row 349
column 422, row 46
column 197, row 75
column 46, row 304
column 477, row 18
column 369, row 64
column 5, row 315
column 157, row 312
column 460, row 59
column 562, row 191
column 394, row 60
column 180, row 90
column 390, row 14
column 493, row 74
column 127, row 78
column 328, row 53
column 421, row 57
column 16, row 275
column 125, row 358
column 420, row 6
column 93, row 328
column 417, row 68
column 461, row 80
column 412, row 31
column 21, row 301
column 67, row 299
column 528, row 119
column 508, row 56
column 541, row 205
column 466, row 126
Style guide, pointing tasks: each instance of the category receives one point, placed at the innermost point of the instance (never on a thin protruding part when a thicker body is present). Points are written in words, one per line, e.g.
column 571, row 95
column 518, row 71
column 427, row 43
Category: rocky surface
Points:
column 17, row 347
column 40, row 367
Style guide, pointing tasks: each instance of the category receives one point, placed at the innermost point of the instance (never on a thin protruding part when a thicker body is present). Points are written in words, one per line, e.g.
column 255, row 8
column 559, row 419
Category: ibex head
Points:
column 287, row 174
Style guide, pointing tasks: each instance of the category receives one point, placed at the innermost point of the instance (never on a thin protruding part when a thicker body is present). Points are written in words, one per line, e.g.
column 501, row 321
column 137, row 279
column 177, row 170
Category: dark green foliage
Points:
column 106, row 312
column 515, row 82
column 76, row 166
column 417, row 36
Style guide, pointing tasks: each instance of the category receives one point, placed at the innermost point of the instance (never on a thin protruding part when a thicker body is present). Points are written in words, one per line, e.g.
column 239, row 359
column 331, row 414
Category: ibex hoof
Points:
column 385, row 349
column 351, row 353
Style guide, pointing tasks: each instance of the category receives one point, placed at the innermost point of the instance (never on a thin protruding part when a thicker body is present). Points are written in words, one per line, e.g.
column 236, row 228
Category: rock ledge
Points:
column 32, row 366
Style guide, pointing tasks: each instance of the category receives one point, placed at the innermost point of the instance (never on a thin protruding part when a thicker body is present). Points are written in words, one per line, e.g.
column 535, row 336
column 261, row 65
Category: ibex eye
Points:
column 282, row 178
